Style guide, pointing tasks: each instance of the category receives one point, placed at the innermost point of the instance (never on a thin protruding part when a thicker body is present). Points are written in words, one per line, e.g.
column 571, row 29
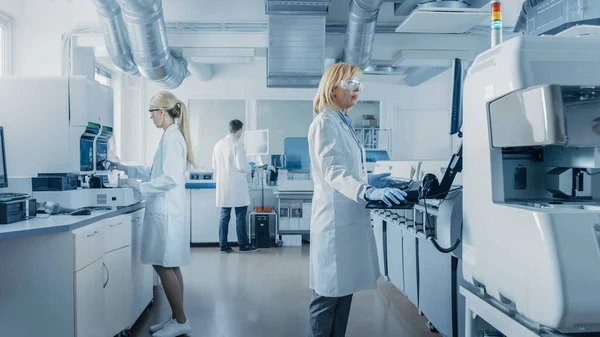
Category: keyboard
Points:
column 411, row 198
column 382, row 205
column 6, row 197
column 402, row 186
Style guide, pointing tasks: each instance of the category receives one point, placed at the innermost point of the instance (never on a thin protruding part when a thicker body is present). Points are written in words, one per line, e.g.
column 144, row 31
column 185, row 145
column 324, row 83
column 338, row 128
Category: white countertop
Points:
column 60, row 223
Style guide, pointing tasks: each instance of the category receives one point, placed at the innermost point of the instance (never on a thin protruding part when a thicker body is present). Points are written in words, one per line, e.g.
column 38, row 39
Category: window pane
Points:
column 364, row 108
column 209, row 123
column 283, row 118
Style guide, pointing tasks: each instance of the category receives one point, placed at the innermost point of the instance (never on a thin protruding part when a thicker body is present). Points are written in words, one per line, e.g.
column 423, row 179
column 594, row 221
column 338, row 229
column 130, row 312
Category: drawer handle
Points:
column 119, row 224
column 138, row 218
column 107, row 276
column 90, row 235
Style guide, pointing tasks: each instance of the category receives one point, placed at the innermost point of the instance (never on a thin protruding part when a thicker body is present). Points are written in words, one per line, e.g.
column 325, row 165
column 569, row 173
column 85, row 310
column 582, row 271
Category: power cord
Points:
column 591, row 174
column 424, row 195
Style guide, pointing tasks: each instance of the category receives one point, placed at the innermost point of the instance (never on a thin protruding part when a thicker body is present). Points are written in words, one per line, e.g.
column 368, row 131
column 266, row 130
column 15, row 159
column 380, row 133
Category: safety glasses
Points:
column 352, row 84
column 152, row 110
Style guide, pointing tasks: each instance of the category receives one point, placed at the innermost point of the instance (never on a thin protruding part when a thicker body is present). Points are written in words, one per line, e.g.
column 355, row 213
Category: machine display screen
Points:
column 86, row 154
column 101, row 156
column 296, row 153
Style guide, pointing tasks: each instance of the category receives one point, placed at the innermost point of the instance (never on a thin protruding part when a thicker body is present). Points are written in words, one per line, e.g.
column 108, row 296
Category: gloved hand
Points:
column 133, row 183
column 387, row 195
column 380, row 180
column 116, row 166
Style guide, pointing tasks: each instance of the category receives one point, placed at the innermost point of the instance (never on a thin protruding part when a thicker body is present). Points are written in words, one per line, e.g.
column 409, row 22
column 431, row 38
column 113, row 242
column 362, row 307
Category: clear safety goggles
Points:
column 352, row 84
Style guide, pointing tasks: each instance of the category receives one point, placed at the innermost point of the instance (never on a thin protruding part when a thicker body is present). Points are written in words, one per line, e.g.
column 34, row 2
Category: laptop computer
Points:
column 413, row 188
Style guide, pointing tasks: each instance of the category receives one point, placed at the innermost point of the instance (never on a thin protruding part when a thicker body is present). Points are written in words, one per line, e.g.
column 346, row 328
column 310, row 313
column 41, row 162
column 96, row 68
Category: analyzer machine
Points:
column 531, row 236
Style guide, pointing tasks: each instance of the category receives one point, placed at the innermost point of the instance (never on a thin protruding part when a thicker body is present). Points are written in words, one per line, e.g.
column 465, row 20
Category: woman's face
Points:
column 346, row 93
column 157, row 116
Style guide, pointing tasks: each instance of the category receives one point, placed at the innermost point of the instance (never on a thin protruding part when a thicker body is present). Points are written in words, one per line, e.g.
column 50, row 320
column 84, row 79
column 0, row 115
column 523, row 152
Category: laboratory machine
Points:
column 64, row 132
column 14, row 207
column 418, row 244
column 295, row 175
column 531, row 237
column 373, row 156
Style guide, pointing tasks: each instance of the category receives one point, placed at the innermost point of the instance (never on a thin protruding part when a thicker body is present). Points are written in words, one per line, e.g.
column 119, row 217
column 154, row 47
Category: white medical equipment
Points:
column 61, row 125
column 531, row 106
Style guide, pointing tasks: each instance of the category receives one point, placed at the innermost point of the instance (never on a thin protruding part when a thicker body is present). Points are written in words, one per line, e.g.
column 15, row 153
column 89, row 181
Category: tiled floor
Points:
column 266, row 294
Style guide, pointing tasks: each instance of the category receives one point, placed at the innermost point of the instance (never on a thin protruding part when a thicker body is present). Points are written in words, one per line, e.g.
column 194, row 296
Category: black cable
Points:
column 591, row 174
column 431, row 238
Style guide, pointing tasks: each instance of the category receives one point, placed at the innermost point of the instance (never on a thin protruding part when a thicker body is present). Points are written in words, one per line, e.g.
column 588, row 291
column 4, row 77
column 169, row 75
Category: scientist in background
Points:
column 165, row 241
column 343, row 255
column 231, row 167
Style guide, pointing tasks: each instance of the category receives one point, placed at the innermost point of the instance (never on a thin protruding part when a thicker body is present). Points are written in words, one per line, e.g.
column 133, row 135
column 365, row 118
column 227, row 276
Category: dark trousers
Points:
column 328, row 316
column 242, row 230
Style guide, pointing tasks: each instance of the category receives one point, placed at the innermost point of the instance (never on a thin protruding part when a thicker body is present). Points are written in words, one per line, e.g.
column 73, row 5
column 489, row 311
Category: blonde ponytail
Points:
column 185, row 131
column 177, row 110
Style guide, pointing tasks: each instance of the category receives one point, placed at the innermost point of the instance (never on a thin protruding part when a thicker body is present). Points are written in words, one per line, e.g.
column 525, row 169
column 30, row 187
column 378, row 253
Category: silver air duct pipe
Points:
column 361, row 32
column 148, row 37
column 115, row 36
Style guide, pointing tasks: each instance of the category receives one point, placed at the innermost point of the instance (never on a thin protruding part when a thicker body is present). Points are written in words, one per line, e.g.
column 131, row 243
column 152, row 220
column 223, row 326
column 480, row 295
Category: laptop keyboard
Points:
column 6, row 197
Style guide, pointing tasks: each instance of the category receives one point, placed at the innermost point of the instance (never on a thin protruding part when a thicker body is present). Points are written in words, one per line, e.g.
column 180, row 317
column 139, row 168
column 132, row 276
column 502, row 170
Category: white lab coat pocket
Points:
column 154, row 238
column 156, row 204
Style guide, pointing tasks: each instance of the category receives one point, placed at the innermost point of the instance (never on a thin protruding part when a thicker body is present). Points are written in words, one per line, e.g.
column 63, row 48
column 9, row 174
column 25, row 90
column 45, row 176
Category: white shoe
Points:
column 160, row 326
column 174, row 329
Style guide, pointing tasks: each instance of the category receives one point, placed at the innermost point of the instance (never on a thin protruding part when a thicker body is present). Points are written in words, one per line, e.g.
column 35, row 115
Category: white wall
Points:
column 283, row 119
column 209, row 123
column 421, row 121
column 38, row 27
column 418, row 116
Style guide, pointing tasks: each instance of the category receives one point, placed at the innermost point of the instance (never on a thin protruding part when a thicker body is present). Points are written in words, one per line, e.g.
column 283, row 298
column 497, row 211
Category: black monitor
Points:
column 456, row 118
column 3, row 174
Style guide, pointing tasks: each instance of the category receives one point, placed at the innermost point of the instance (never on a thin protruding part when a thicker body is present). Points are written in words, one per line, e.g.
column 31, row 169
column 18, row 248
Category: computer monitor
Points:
column 456, row 118
column 3, row 174
column 295, row 154
column 374, row 156
column 257, row 142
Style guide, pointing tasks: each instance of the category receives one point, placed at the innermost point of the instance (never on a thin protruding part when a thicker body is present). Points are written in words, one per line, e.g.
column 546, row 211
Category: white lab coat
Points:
column 343, row 254
column 165, row 234
column 231, row 167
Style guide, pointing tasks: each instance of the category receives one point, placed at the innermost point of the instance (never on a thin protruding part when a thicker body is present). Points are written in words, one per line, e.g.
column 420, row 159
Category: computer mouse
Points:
column 81, row 211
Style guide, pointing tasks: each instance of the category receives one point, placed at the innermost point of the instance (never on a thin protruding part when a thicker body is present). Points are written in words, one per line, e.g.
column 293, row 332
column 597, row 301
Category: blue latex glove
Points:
column 252, row 164
column 116, row 166
column 388, row 195
column 381, row 180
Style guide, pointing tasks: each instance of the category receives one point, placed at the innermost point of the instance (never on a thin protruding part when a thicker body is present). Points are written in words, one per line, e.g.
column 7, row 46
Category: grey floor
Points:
column 266, row 294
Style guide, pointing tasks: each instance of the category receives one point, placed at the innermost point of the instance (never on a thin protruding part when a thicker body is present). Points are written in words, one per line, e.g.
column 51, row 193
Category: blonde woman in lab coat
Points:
column 165, row 242
column 343, row 256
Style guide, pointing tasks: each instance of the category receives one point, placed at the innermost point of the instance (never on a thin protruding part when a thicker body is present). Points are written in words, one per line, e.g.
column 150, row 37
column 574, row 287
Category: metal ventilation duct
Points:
column 115, row 36
column 361, row 32
column 303, row 7
column 296, row 51
column 148, row 37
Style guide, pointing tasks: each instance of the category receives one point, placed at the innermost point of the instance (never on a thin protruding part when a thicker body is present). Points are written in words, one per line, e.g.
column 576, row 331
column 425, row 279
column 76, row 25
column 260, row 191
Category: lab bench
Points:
column 203, row 214
column 294, row 209
column 73, row 275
